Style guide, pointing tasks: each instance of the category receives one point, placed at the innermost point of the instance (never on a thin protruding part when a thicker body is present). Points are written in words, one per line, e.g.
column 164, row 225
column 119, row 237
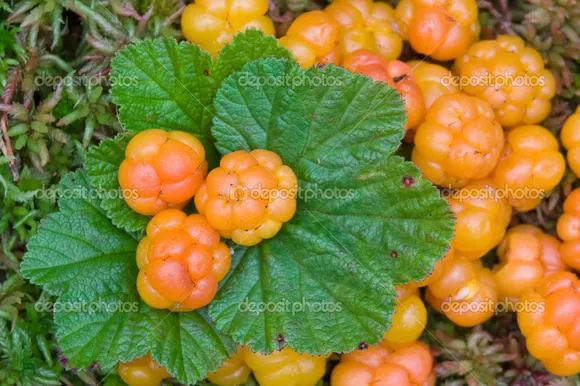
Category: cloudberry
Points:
column 180, row 261
column 433, row 79
column 161, row 170
column 548, row 319
column 313, row 38
column 249, row 196
column 366, row 24
column 232, row 372
column 286, row 367
column 410, row 317
column 482, row 217
column 382, row 365
column 458, row 141
column 440, row 29
column 465, row 293
column 143, row 371
column 213, row 23
column 531, row 165
column 526, row 255
column 510, row 77
column 570, row 136
column 568, row 228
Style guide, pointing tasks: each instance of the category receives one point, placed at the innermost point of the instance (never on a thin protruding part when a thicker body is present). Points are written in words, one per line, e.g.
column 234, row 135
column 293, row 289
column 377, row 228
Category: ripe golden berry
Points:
column 143, row 371
column 313, row 38
column 385, row 365
column 366, row 24
column 458, row 141
column 526, row 255
column 434, row 80
column 409, row 319
column 570, row 137
column 548, row 318
column 482, row 216
column 249, row 196
column 510, row 77
column 180, row 261
column 465, row 293
column 161, row 170
column 440, row 29
column 285, row 367
column 211, row 24
column 568, row 228
column 530, row 167
column 232, row 372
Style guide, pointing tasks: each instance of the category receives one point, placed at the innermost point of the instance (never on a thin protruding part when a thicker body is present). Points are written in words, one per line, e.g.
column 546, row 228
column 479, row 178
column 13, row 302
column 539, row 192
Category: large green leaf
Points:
column 78, row 246
column 366, row 220
column 164, row 84
column 81, row 256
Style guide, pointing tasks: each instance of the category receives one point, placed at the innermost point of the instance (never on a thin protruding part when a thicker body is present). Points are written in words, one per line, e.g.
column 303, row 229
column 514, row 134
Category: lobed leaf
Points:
column 80, row 255
column 366, row 219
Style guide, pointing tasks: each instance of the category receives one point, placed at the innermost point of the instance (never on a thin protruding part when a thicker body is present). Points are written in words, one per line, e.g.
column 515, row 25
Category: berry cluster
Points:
column 342, row 28
column 180, row 261
column 458, row 141
column 143, row 371
column 549, row 321
column 568, row 228
column 247, row 199
column 526, row 255
column 384, row 364
column 161, row 170
column 211, row 24
column 440, row 29
column 249, row 196
column 284, row 367
column 510, row 77
column 570, row 136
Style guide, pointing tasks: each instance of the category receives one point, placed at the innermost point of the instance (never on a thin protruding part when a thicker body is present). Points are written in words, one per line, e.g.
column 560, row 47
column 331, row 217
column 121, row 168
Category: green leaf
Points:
column 112, row 327
column 245, row 47
column 81, row 256
column 165, row 84
column 366, row 219
column 78, row 246
column 102, row 165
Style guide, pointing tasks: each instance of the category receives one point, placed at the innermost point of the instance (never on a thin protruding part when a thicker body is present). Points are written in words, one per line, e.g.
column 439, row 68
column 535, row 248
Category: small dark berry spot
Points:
column 399, row 78
column 394, row 254
column 281, row 340
column 408, row 181
column 363, row 346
